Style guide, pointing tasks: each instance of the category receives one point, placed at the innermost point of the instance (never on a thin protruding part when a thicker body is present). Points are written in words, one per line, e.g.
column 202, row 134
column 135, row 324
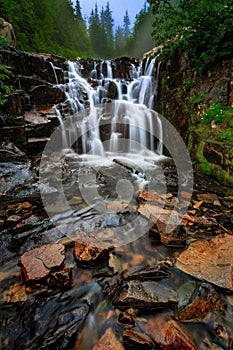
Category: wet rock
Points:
column 145, row 295
column 108, row 342
column 167, row 334
column 61, row 278
column 149, row 196
column 203, row 300
column 9, row 152
column 154, row 272
column 209, row 260
column 45, row 95
column 209, row 345
column 52, row 321
column 16, row 293
column 90, row 255
column 164, row 225
column 137, row 341
column 38, row 263
column 126, row 318
column 175, row 239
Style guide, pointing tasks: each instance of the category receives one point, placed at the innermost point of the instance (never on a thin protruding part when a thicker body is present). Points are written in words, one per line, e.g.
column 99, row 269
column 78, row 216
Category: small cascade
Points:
column 54, row 72
column 123, row 107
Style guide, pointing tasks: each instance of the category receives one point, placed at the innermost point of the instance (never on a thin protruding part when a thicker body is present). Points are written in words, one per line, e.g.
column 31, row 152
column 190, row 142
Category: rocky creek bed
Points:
column 61, row 289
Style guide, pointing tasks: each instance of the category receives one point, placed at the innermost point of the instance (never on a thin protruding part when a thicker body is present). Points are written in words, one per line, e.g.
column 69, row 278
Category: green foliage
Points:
column 203, row 28
column 5, row 74
column 194, row 99
column 216, row 113
column 5, row 88
column 49, row 26
column 205, row 166
column 226, row 135
column 141, row 40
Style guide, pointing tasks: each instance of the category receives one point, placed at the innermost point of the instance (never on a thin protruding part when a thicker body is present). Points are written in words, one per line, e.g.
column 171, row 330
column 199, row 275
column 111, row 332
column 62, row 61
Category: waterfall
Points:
column 121, row 108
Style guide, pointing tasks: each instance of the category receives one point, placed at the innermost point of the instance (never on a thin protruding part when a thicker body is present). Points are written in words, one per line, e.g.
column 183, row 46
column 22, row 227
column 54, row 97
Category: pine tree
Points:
column 78, row 12
column 126, row 25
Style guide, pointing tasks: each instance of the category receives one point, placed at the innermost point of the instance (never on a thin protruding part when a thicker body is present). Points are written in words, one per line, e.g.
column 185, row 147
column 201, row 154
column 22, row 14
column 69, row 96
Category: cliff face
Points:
column 200, row 107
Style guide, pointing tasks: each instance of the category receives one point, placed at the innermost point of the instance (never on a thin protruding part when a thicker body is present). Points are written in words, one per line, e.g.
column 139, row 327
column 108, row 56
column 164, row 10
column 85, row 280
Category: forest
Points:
column 58, row 27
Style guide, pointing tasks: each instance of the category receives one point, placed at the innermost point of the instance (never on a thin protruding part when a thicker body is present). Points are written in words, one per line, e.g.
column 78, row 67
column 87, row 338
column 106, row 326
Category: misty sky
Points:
column 118, row 8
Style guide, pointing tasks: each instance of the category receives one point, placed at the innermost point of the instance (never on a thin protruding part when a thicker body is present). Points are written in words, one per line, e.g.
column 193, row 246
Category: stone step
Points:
column 37, row 145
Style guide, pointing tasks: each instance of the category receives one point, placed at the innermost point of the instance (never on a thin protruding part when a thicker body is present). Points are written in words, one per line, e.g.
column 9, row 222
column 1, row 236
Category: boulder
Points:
column 37, row 264
column 209, row 260
column 7, row 31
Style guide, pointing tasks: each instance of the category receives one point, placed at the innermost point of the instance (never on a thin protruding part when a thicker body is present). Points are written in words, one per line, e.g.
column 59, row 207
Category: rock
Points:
column 174, row 239
column 165, row 219
column 208, row 345
column 136, row 341
column 39, row 262
column 209, row 260
column 9, row 152
column 61, row 278
column 207, row 197
column 167, row 334
column 145, row 295
column 90, row 255
column 7, row 31
column 126, row 318
column 15, row 294
column 14, row 104
column 45, row 95
column 149, row 196
column 204, row 300
column 153, row 272
column 108, row 342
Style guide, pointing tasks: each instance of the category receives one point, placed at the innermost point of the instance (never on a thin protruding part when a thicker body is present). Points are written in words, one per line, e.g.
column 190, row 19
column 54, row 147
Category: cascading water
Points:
column 128, row 114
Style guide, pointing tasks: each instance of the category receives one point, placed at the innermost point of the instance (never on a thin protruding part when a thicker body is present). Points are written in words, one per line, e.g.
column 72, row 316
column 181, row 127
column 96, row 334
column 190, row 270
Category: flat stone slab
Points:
column 209, row 260
column 38, row 263
column 145, row 294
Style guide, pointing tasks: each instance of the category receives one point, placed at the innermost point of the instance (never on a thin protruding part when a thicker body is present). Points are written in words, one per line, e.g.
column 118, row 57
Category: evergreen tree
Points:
column 78, row 12
column 119, row 42
column 126, row 26
column 141, row 39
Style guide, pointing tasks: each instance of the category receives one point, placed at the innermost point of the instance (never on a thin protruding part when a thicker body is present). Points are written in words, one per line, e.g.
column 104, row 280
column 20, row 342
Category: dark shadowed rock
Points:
column 45, row 95
column 90, row 255
column 126, row 318
column 38, row 263
column 145, row 295
column 9, row 152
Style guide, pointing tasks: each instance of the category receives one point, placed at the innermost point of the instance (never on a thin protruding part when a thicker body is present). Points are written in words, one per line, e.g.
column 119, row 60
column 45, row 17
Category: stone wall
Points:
column 184, row 96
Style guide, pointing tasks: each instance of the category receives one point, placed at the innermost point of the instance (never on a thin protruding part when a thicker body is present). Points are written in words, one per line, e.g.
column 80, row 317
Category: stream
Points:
column 95, row 231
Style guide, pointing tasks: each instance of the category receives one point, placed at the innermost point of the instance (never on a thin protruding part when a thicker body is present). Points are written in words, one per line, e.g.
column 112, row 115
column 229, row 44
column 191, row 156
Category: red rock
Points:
column 149, row 196
column 126, row 318
column 209, row 260
column 168, row 334
column 136, row 340
column 37, row 263
column 197, row 205
column 186, row 195
column 108, row 342
column 205, row 300
column 90, row 255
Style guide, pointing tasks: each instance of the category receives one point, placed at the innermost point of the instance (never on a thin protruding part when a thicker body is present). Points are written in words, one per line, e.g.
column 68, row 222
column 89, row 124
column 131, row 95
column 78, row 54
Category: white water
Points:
column 132, row 124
